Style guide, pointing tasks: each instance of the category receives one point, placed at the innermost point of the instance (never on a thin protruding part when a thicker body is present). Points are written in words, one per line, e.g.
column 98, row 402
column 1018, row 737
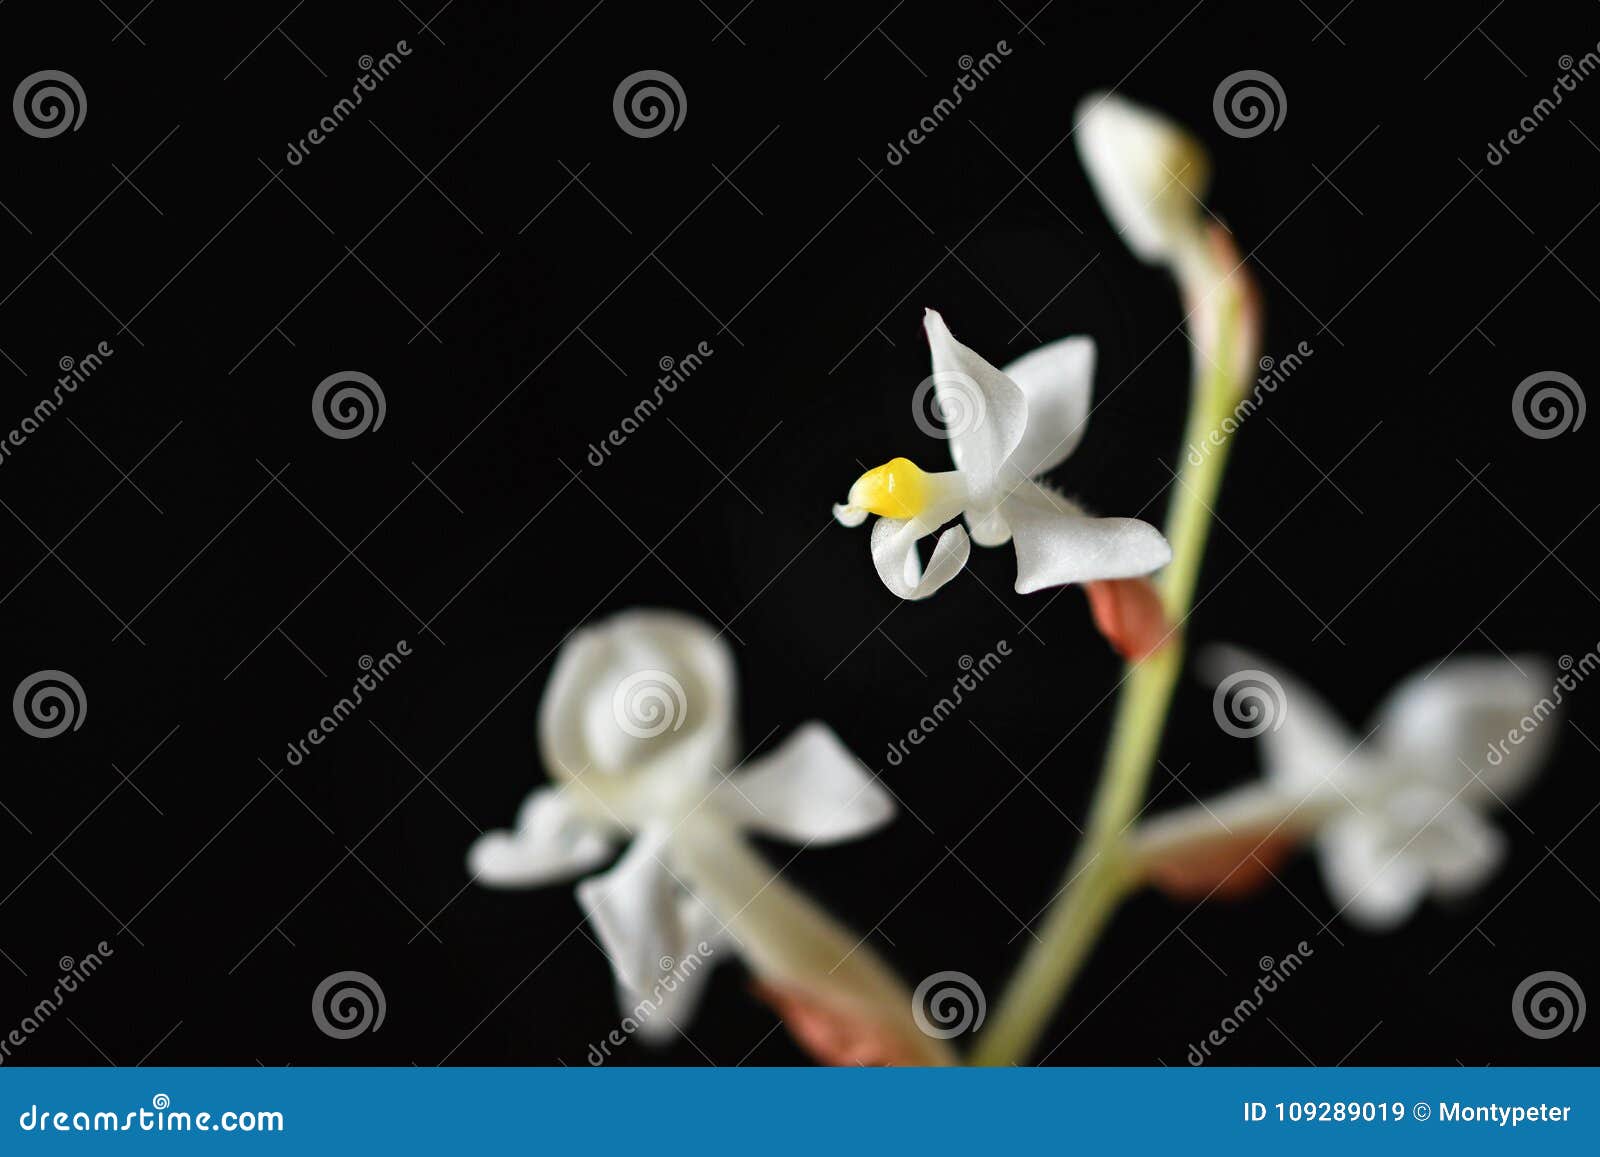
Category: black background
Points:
column 1382, row 511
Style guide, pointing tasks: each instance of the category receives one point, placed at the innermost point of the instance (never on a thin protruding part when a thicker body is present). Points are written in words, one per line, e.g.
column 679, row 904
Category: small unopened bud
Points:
column 1150, row 174
column 1130, row 615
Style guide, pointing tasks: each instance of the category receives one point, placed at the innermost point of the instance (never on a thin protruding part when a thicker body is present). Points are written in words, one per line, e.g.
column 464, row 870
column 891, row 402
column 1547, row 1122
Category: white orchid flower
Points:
column 1395, row 817
column 1150, row 175
column 635, row 728
column 1006, row 428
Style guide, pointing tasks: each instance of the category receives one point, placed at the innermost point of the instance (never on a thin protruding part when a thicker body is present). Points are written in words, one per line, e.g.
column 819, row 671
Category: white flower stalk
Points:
column 1396, row 817
column 635, row 727
column 1006, row 428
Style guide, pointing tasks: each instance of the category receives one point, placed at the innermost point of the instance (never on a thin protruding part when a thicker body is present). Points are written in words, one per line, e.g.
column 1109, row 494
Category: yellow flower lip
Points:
column 897, row 489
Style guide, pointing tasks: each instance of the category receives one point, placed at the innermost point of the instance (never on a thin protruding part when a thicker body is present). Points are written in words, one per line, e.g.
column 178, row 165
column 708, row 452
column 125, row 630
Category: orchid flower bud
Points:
column 1150, row 175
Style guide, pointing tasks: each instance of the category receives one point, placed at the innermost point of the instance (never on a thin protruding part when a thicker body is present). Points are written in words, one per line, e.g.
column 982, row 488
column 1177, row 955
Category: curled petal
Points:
column 846, row 515
column 552, row 841
column 1130, row 615
column 1058, row 544
column 810, row 789
column 668, row 665
column 1462, row 849
column 1375, row 885
column 1379, row 867
column 1429, row 840
column 894, row 553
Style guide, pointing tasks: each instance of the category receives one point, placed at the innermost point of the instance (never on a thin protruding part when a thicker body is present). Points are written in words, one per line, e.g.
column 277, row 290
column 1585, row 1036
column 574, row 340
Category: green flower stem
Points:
column 1100, row 875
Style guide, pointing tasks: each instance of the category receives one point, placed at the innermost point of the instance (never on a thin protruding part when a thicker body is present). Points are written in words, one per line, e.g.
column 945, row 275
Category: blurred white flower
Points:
column 1395, row 817
column 1005, row 428
column 1150, row 175
column 635, row 728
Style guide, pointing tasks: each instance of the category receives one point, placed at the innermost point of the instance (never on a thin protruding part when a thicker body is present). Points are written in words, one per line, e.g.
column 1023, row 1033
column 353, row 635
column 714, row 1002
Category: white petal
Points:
column 985, row 411
column 635, row 911
column 894, row 553
column 659, row 937
column 1057, row 543
column 1149, row 174
column 638, row 691
column 1056, row 380
column 1445, row 836
column 1465, row 850
column 1305, row 742
column 552, row 841
column 809, row 789
column 1468, row 711
column 1372, row 885
column 665, row 1009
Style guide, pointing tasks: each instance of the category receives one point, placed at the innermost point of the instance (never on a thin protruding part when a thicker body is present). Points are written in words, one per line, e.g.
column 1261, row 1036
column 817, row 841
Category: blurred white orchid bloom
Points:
column 635, row 727
column 1395, row 817
column 1006, row 428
